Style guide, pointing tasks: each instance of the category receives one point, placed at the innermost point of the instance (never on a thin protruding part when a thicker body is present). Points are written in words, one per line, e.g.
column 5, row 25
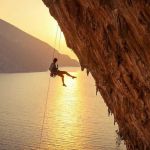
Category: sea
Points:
column 38, row 113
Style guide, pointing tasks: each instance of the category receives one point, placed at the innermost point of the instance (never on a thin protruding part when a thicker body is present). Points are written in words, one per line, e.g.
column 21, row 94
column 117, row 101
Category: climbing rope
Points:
column 44, row 115
column 46, row 101
column 55, row 42
column 59, row 55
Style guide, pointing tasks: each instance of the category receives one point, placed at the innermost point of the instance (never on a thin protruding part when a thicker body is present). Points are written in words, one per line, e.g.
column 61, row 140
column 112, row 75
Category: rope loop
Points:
column 46, row 101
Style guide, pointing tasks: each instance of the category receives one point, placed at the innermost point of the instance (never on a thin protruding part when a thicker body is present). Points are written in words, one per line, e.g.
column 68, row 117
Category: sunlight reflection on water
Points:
column 76, row 118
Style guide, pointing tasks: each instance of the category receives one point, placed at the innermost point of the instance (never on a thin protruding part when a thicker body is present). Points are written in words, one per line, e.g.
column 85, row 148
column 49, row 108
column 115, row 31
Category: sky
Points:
column 33, row 17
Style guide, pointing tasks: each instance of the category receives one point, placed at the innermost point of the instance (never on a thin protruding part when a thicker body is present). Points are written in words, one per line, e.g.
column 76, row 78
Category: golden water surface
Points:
column 76, row 119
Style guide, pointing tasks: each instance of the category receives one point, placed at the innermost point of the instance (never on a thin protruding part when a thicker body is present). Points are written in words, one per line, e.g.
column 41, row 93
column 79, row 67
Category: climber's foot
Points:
column 64, row 85
column 74, row 77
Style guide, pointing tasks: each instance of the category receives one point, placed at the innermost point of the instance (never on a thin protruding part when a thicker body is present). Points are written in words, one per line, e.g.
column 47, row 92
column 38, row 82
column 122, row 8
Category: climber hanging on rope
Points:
column 55, row 72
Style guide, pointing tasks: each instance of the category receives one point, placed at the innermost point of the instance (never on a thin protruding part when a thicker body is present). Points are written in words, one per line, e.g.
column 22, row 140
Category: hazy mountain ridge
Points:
column 21, row 52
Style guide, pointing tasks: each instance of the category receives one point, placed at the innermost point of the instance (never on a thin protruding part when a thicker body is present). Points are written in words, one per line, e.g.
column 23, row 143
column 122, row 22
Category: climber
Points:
column 54, row 71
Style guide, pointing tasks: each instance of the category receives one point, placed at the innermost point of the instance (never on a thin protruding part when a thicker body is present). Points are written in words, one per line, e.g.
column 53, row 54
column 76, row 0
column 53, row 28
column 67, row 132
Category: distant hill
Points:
column 21, row 52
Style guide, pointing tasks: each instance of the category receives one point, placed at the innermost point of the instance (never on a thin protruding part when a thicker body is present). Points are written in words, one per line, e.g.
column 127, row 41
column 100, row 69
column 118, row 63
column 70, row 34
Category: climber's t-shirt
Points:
column 53, row 68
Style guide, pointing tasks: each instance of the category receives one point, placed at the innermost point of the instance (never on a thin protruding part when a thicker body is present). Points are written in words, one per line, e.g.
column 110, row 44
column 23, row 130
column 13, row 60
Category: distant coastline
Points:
column 21, row 52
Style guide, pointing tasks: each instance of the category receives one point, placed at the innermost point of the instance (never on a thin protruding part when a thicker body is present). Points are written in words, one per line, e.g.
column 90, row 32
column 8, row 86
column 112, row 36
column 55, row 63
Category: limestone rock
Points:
column 112, row 41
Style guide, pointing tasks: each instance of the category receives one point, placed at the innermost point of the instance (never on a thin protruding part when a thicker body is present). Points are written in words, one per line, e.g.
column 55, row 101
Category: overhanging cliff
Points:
column 112, row 41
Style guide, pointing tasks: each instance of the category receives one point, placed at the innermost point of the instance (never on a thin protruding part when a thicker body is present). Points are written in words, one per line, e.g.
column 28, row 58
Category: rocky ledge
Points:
column 112, row 41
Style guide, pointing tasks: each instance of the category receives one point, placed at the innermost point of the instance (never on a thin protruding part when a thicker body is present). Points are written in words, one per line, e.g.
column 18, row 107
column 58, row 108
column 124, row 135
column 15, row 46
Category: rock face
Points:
column 112, row 41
